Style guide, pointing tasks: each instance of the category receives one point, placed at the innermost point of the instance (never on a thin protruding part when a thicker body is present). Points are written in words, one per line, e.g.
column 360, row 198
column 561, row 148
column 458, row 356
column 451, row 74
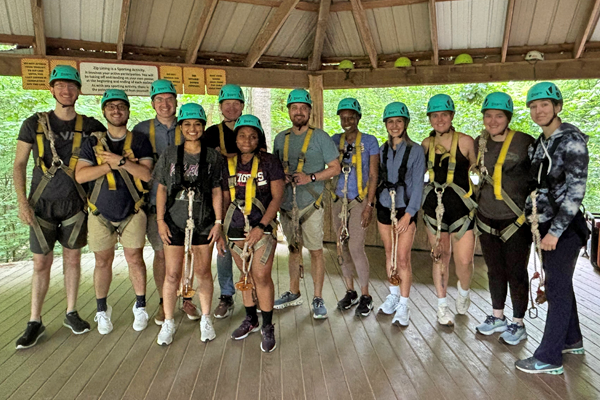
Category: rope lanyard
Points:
column 539, row 270
column 186, row 286
column 394, row 278
column 355, row 163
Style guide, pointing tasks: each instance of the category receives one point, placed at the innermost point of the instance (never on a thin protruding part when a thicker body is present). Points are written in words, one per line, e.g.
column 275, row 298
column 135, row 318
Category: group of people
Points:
column 188, row 188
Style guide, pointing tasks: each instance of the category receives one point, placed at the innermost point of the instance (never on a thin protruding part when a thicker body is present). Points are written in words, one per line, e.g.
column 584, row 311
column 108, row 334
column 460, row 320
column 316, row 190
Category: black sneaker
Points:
column 268, row 338
column 74, row 322
column 246, row 328
column 364, row 306
column 34, row 331
column 349, row 300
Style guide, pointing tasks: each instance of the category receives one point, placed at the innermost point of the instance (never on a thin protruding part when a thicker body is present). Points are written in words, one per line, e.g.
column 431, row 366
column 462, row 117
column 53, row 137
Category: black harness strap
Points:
column 384, row 183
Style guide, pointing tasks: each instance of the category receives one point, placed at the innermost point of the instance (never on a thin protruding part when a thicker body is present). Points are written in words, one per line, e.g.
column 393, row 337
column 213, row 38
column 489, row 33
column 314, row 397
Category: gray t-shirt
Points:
column 515, row 176
column 321, row 151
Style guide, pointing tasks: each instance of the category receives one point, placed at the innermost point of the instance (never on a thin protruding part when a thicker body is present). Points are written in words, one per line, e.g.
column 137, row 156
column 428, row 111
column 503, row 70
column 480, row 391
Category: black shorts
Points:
column 384, row 215
column 178, row 235
column 55, row 212
column 454, row 209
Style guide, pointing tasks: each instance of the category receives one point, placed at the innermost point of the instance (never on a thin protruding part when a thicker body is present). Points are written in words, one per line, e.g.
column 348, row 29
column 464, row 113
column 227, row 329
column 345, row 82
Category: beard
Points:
column 299, row 122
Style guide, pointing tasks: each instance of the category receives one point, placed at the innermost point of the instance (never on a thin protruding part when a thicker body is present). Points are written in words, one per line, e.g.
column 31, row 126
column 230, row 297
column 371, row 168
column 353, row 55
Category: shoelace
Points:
column 391, row 299
column 101, row 316
column 513, row 328
column 490, row 319
column 318, row 302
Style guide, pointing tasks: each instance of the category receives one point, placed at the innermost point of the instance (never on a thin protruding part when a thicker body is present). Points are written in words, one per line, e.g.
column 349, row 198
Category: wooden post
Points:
column 587, row 29
column 507, row 27
column 434, row 33
column 37, row 13
column 314, row 63
column 315, row 88
column 123, row 27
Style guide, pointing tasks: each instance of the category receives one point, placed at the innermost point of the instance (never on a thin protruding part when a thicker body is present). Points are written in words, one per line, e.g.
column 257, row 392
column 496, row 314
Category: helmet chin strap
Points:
column 552, row 120
column 63, row 106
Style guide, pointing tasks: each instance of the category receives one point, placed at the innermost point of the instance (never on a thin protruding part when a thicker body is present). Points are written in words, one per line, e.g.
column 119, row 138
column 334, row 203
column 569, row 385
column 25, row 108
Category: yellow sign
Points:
column 193, row 80
column 54, row 63
column 215, row 79
column 172, row 74
column 35, row 73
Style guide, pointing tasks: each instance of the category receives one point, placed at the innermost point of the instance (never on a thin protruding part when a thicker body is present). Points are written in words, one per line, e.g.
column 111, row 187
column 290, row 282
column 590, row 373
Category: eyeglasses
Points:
column 160, row 100
column 113, row 107
column 65, row 85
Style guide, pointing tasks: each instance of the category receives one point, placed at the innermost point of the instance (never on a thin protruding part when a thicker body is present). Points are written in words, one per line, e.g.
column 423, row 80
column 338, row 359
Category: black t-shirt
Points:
column 212, row 139
column 116, row 205
column 269, row 169
column 61, row 187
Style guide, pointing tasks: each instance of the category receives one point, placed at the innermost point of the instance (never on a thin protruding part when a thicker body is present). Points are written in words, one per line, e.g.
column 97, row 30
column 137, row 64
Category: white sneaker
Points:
column 140, row 316
column 165, row 336
column 444, row 316
column 462, row 302
column 402, row 315
column 390, row 304
column 103, row 320
column 207, row 332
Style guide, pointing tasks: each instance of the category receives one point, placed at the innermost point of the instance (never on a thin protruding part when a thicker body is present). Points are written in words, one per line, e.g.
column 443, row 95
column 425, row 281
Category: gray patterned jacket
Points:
column 566, row 179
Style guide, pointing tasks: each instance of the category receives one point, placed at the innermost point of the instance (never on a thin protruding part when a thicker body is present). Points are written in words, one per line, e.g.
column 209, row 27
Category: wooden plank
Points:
column 315, row 60
column 507, row 27
column 434, row 34
column 37, row 13
column 268, row 32
column 364, row 30
column 123, row 27
column 587, row 30
column 315, row 83
column 203, row 22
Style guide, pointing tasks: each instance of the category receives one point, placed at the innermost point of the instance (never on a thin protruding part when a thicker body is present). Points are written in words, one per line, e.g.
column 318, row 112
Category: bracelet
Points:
column 371, row 204
column 218, row 221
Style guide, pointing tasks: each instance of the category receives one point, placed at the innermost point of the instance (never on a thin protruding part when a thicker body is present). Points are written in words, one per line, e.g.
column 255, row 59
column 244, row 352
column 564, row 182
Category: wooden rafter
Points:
column 39, row 30
column 335, row 7
column 360, row 17
column 202, row 27
column 507, row 26
column 434, row 33
column 268, row 32
column 587, row 30
column 123, row 28
column 315, row 61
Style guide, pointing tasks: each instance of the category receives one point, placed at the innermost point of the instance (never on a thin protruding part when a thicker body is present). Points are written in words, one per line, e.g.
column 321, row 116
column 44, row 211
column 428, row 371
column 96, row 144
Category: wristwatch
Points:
column 218, row 221
column 122, row 162
column 371, row 204
column 261, row 226
column 313, row 177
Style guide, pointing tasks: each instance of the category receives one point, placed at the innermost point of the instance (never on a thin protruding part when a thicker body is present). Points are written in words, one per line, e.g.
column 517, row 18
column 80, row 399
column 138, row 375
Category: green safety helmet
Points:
column 191, row 111
column 114, row 94
column 349, row 104
column 440, row 102
column 162, row 86
column 402, row 62
column 396, row 109
column 65, row 73
column 498, row 101
column 346, row 65
column 544, row 90
column 248, row 120
column 299, row 96
column 231, row 92
column 463, row 59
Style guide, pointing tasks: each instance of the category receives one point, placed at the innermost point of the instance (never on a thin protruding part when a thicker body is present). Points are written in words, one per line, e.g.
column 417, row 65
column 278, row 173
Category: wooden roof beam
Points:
column 510, row 10
column 435, row 57
column 315, row 60
column 268, row 32
column 123, row 27
column 587, row 30
column 205, row 18
column 39, row 30
column 360, row 17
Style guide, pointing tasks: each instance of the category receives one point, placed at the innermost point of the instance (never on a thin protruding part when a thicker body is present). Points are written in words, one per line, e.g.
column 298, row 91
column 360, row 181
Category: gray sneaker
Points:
column 319, row 310
column 288, row 299
column 492, row 325
column 514, row 334
column 575, row 348
column 532, row 365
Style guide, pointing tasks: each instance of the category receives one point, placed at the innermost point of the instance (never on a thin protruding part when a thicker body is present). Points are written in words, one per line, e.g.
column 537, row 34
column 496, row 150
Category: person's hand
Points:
column 111, row 159
column 221, row 246
column 366, row 216
column 289, row 178
column 215, row 233
column 301, row 178
column 26, row 213
column 549, row 242
column 403, row 223
column 254, row 236
column 164, row 232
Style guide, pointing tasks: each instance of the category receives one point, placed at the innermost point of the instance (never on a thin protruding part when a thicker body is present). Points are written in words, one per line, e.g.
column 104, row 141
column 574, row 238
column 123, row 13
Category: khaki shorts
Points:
column 152, row 233
column 101, row 237
column 311, row 229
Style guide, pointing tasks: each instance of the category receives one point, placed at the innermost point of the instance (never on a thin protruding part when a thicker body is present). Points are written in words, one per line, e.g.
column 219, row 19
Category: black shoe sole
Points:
column 270, row 351
column 86, row 330
column 21, row 347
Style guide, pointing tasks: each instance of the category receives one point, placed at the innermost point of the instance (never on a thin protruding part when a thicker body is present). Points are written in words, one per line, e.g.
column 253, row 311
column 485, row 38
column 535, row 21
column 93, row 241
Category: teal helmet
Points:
column 191, row 111
column 498, row 101
column 299, row 96
column 349, row 104
column 248, row 120
column 544, row 90
column 162, row 86
column 396, row 109
column 440, row 102
column 65, row 73
column 231, row 92
column 114, row 94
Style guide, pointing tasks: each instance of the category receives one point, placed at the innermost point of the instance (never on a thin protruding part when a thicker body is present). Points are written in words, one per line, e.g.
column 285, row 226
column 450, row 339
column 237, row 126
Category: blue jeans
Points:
column 225, row 274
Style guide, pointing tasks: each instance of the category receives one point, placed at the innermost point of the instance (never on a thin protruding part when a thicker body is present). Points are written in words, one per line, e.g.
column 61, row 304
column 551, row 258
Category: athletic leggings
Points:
column 353, row 253
column 507, row 265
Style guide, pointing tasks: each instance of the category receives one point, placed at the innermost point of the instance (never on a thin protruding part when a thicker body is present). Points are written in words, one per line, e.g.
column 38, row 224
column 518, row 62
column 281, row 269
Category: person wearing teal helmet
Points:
column 450, row 155
column 54, row 196
column 190, row 215
column 399, row 193
column 253, row 177
column 305, row 152
column 117, row 163
column 559, row 164
column 505, row 238
column 352, row 208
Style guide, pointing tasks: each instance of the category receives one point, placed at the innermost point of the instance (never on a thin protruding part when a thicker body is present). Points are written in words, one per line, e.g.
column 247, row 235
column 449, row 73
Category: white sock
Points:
column 404, row 300
column 442, row 301
column 395, row 290
column 463, row 292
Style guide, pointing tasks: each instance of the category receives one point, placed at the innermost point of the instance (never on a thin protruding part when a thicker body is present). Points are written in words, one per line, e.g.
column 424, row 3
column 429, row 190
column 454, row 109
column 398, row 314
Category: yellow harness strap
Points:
column 222, row 140
column 110, row 177
column 77, row 137
column 497, row 177
column 302, row 156
column 152, row 135
column 451, row 163
column 232, row 164
column 127, row 152
column 250, row 186
column 356, row 163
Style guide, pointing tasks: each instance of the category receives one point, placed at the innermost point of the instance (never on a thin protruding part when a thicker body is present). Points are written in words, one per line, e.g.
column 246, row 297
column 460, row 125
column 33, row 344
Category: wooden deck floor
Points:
column 339, row 358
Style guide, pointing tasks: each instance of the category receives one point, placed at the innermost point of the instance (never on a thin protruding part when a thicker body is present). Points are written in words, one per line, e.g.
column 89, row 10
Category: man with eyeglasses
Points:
column 55, row 207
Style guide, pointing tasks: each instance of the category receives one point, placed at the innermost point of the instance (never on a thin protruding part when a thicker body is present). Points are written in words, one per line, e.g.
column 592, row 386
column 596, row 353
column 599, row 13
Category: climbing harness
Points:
column 539, row 270
column 152, row 135
column 186, row 289
column 343, row 232
column 394, row 278
column 222, row 140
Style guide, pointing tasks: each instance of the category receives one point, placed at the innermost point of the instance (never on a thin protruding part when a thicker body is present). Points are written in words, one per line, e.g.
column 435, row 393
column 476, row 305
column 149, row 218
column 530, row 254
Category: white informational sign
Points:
column 134, row 79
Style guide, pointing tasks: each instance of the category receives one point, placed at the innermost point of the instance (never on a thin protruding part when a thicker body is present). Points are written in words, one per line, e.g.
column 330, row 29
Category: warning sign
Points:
column 54, row 63
column 134, row 79
column 35, row 73
column 193, row 80
column 215, row 79
column 172, row 74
